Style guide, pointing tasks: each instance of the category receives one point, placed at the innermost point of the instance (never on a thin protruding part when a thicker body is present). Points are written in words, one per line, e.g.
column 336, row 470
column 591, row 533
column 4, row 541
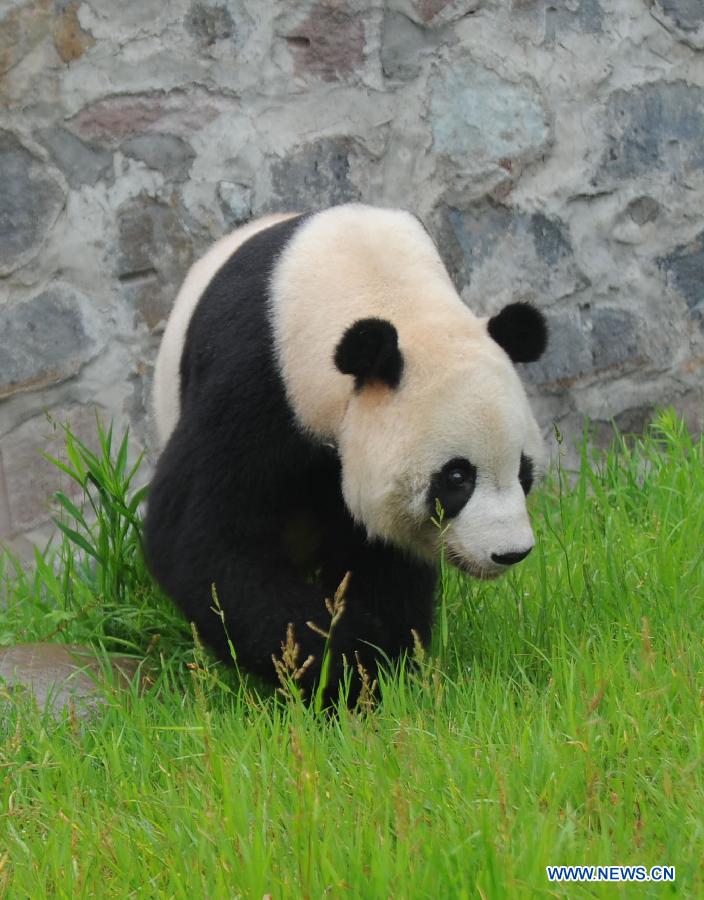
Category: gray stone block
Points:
column 467, row 237
column 551, row 243
column 685, row 270
column 30, row 201
column 615, row 338
column 5, row 525
column 643, row 210
column 166, row 153
column 209, row 23
column 403, row 45
column 22, row 29
column 154, row 253
column 235, row 202
column 435, row 12
column 568, row 355
column 656, row 127
column 687, row 15
column 585, row 343
column 329, row 43
column 30, row 480
column 490, row 245
column 115, row 119
column 60, row 676
column 556, row 18
column 81, row 162
column 480, row 120
column 314, row 176
column 629, row 422
column 46, row 339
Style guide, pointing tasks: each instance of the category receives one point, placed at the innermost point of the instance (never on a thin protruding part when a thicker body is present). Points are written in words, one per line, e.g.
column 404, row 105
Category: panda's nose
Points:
column 510, row 559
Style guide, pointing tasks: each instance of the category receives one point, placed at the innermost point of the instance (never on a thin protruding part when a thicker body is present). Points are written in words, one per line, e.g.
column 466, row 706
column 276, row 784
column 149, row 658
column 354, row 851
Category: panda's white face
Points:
column 468, row 441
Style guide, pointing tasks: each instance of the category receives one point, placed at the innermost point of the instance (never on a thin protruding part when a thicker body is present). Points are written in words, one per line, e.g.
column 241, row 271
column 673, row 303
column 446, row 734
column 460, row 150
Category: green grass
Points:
column 558, row 719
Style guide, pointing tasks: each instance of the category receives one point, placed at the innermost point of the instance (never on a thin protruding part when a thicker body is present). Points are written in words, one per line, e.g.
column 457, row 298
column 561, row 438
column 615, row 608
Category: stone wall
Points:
column 554, row 148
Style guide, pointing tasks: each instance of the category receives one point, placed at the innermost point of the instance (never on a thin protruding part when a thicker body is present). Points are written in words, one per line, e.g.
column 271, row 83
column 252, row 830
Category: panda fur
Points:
column 319, row 386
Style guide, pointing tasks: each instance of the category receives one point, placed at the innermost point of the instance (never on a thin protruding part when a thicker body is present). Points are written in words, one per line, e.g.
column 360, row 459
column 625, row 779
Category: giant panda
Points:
column 321, row 391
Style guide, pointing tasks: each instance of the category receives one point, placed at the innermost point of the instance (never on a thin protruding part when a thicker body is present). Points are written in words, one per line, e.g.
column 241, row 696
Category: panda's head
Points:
column 439, row 420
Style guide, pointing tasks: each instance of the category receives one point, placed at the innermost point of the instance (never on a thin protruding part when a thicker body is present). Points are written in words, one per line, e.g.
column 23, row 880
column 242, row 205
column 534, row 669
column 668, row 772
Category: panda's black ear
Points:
column 521, row 330
column 369, row 351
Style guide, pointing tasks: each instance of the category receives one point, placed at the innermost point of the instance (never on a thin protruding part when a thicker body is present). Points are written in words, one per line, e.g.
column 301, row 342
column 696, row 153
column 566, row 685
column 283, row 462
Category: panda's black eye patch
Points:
column 525, row 473
column 452, row 486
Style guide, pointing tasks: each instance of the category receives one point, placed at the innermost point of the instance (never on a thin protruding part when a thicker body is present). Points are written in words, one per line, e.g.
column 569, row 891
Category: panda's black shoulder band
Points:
column 369, row 351
column 521, row 330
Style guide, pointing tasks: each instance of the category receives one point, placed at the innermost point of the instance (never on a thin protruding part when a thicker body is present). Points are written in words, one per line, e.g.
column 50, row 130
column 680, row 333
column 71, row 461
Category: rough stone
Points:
column 481, row 121
column 551, row 245
column 5, row 525
column 656, row 127
column 81, row 162
column 469, row 236
column 30, row 201
column 568, row 355
column 428, row 9
column 585, row 343
column 119, row 118
column 635, row 420
column 580, row 16
column 685, row 18
column 62, row 676
column 314, row 176
column 615, row 338
column 629, row 423
column 209, row 23
column 235, row 202
column 587, row 14
column 155, row 252
column 476, row 244
column 686, row 14
column 643, row 210
column 166, row 153
column 70, row 40
column 46, row 339
column 403, row 45
column 634, row 224
column 131, row 20
column 328, row 44
column 435, row 12
column 685, row 270
column 30, row 479
column 21, row 30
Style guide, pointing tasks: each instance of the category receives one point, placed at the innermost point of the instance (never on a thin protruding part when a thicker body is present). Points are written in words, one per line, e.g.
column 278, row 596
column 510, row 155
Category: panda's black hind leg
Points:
column 397, row 591
column 267, row 606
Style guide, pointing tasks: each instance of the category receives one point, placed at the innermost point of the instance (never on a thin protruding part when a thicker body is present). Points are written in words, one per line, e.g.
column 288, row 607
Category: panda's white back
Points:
column 167, row 381
column 348, row 263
